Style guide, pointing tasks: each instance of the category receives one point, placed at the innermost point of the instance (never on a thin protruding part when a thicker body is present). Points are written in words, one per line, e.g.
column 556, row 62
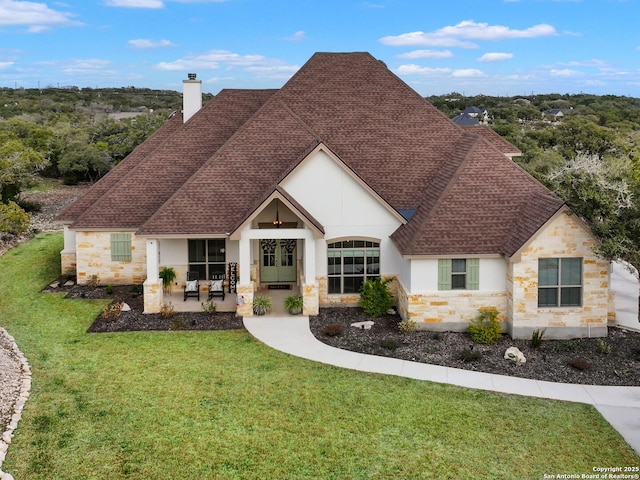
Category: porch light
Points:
column 277, row 222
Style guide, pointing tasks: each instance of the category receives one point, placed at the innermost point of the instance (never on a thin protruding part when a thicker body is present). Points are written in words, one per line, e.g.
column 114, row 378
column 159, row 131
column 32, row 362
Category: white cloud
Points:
column 5, row 64
column 460, row 34
column 564, row 72
column 495, row 57
column 146, row 43
column 135, row 3
column 468, row 73
column 296, row 37
column 412, row 69
column 426, row 54
column 216, row 59
column 38, row 16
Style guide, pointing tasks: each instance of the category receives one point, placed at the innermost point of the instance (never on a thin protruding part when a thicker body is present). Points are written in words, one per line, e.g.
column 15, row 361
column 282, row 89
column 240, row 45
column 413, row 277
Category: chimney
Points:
column 191, row 96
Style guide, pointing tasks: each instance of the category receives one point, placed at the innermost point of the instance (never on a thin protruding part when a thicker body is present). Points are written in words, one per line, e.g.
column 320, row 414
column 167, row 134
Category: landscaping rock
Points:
column 366, row 325
column 514, row 354
column 125, row 307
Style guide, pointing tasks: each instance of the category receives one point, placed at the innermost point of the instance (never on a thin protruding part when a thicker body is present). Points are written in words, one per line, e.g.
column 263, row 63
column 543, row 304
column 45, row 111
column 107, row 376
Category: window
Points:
column 351, row 263
column 559, row 282
column 459, row 274
column 120, row 247
column 207, row 257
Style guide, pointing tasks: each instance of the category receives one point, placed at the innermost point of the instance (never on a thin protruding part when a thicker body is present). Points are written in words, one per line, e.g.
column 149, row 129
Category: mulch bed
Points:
column 614, row 360
column 620, row 366
column 135, row 320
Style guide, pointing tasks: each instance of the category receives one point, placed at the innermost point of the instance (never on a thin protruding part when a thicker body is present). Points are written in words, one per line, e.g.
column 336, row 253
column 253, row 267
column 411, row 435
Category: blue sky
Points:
column 492, row 47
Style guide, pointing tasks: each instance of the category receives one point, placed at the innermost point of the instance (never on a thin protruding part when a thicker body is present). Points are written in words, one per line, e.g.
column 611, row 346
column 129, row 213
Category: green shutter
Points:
column 120, row 247
column 473, row 274
column 444, row 274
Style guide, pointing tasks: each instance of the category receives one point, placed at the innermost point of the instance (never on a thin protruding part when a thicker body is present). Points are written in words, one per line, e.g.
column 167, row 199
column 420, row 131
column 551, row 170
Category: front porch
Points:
column 229, row 304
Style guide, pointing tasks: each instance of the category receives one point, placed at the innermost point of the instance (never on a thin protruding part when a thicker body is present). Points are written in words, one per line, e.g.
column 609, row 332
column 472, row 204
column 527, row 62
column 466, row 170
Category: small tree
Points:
column 375, row 298
column 13, row 219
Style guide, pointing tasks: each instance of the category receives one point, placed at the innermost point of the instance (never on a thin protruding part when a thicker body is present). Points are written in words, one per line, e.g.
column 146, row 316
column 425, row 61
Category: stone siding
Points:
column 153, row 297
column 448, row 310
column 310, row 298
column 565, row 236
column 93, row 257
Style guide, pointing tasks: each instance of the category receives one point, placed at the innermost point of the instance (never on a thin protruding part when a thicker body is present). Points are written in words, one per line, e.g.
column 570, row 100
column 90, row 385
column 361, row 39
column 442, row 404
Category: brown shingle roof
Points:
column 142, row 190
column 213, row 171
column 499, row 142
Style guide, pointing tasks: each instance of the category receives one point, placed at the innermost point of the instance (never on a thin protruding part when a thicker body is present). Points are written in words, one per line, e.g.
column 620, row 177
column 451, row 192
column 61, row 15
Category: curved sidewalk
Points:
column 619, row 405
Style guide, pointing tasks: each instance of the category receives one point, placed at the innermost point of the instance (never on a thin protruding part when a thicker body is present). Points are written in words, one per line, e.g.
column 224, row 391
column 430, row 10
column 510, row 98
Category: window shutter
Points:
column 473, row 274
column 120, row 247
column 444, row 274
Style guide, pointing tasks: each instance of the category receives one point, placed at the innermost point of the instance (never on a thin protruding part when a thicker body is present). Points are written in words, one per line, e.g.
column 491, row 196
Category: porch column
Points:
column 310, row 293
column 68, row 254
column 152, row 285
column 244, row 289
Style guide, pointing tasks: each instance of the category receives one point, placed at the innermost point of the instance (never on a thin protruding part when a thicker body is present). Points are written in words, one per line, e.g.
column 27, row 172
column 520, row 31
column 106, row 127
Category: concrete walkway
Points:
column 619, row 405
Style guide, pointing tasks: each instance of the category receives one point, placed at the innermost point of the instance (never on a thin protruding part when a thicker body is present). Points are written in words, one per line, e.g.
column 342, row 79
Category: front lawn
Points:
column 220, row 405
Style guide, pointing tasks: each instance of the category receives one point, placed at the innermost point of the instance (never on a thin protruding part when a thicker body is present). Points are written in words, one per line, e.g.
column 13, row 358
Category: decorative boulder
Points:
column 125, row 307
column 514, row 354
column 363, row 325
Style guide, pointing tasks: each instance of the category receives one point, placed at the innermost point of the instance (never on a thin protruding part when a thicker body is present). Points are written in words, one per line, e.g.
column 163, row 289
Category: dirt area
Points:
column 52, row 203
column 614, row 360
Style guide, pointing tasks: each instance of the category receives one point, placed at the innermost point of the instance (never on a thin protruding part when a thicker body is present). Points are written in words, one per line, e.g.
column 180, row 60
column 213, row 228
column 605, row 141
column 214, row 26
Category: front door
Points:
column 278, row 262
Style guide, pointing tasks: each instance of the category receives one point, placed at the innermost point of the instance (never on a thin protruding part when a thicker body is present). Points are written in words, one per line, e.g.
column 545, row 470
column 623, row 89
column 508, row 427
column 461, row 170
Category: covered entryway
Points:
column 278, row 260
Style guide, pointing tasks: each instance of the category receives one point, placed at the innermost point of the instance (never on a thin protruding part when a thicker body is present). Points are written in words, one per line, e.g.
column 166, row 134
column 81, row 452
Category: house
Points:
column 480, row 114
column 464, row 119
column 342, row 175
column 555, row 114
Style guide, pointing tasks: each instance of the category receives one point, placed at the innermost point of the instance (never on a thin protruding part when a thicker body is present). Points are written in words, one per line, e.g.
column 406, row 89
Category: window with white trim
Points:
column 458, row 274
column 350, row 263
column 559, row 282
column 120, row 247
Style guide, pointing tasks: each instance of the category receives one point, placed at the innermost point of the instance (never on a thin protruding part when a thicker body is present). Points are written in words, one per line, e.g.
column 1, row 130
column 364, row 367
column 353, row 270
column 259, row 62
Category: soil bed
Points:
column 550, row 362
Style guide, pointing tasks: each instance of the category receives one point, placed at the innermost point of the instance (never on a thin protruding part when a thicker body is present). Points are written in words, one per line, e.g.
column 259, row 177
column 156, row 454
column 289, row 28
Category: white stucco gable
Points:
column 337, row 198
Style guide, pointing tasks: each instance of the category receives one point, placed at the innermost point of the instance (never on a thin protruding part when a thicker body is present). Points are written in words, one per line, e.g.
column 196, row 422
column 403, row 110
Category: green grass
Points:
column 220, row 405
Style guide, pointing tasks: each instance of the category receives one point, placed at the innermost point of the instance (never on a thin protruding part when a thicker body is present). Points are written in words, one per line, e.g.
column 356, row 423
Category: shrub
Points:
column 177, row 325
column 137, row 289
column 375, row 298
column 603, row 347
column 580, row 363
column 436, row 336
column 94, row 282
column 536, row 338
column 468, row 355
column 167, row 310
column 209, row 307
column 389, row 344
column 112, row 311
column 407, row 326
column 13, row 219
column 485, row 328
column 108, row 289
column 332, row 329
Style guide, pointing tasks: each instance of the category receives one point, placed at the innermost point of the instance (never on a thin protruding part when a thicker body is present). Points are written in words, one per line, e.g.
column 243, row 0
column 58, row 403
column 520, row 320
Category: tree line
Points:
column 590, row 156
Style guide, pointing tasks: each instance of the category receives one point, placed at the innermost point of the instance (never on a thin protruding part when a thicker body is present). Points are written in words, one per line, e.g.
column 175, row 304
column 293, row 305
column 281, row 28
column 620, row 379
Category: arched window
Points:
column 351, row 263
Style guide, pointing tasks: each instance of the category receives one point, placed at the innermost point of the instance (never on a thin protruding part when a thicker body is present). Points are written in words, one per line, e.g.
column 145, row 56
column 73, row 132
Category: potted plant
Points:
column 294, row 304
column 168, row 275
column 262, row 304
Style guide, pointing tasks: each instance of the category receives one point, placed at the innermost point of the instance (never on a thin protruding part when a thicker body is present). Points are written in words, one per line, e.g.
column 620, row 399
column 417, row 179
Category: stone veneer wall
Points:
column 349, row 299
column 93, row 257
column 564, row 236
column 448, row 310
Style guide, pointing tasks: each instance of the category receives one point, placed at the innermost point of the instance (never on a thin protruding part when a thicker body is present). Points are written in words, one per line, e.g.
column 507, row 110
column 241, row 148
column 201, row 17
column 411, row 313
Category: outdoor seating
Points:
column 216, row 286
column 192, row 286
